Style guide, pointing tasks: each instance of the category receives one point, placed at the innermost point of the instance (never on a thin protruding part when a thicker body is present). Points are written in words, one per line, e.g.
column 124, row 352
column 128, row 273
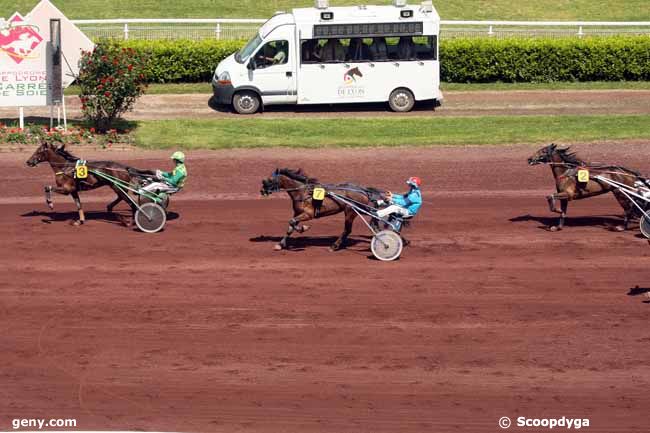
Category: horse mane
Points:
column 570, row 157
column 297, row 175
column 67, row 155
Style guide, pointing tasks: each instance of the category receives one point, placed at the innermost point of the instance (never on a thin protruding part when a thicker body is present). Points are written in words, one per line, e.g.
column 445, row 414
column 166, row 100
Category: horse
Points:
column 565, row 166
column 63, row 164
column 300, row 189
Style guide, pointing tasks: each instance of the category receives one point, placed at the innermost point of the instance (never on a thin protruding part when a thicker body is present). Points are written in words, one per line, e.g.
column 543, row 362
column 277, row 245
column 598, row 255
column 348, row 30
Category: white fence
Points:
column 244, row 28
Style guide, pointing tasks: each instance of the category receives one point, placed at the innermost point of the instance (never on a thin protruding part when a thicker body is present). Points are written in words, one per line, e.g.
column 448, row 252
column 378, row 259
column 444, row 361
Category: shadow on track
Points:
column 607, row 222
column 636, row 291
column 103, row 216
column 304, row 242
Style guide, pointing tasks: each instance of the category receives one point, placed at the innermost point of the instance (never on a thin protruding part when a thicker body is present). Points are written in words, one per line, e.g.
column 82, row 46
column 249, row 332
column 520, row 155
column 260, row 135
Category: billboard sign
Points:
column 27, row 57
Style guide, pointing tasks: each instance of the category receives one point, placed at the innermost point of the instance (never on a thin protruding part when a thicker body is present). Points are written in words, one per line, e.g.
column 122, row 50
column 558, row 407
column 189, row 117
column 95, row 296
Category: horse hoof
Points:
column 76, row 223
column 334, row 248
column 555, row 228
column 619, row 229
column 305, row 228
column 51, row 206
column 278, row 247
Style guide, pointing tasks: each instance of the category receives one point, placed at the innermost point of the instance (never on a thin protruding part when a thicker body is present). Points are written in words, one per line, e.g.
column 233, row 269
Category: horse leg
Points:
column 564, row 198
column 628, row 208
column 564, row 204
column 77, row 201
column 48, row 197
column 294, row 225
column 114, row 203
column 349, row 219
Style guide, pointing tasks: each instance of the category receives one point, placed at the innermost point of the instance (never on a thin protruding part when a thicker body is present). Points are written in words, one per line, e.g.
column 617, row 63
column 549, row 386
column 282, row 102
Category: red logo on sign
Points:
column 19, row 41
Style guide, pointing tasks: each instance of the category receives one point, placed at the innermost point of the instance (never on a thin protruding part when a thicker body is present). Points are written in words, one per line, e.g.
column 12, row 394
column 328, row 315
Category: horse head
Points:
column 42, row 154
column 271, row 184
column 285, row 179
column 543, row 155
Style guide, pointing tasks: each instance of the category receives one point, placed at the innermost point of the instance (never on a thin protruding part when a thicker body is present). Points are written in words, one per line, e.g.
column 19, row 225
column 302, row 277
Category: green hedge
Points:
column 477, row 60
column 613, row 58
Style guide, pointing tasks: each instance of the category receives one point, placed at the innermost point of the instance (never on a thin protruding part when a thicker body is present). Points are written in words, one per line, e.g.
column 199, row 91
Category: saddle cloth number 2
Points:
column 81, row 171
column 583, row 176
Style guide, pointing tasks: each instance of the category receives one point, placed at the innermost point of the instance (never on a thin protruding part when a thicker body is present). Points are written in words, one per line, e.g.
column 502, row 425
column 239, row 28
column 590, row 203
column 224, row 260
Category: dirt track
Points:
column 483, row 103
column 204, row 328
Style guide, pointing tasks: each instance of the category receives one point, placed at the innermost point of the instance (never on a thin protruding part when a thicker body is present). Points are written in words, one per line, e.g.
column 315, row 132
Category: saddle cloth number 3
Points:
column 583, row 176
column 81, row 171
column 319, row 194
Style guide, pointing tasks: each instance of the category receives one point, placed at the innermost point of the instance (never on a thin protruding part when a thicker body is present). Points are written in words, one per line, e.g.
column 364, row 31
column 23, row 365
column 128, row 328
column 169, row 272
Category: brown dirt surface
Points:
column 481, row 103
column 204, row 328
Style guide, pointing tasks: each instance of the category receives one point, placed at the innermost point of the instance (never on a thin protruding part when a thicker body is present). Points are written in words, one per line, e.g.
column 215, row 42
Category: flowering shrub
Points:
column 36, row 134
column 111, row 78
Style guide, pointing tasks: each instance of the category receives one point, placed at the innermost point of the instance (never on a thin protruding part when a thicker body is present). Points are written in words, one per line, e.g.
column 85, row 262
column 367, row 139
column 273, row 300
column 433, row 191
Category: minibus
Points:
column 330, row 55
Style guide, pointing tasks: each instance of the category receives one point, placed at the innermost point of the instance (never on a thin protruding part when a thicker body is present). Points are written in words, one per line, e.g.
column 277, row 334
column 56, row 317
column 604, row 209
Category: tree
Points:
column 111, row 80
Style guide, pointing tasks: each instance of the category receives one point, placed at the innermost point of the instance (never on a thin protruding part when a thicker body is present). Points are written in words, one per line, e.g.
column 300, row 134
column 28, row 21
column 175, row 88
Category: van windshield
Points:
column 248, row 49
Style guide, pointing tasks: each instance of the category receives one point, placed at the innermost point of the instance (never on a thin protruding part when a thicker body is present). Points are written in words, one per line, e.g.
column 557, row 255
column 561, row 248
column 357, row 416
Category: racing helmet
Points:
column 178, row 156
column 414, row 181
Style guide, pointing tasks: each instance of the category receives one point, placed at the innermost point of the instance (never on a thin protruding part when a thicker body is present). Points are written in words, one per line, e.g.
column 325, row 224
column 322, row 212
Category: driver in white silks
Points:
column 170, row 181
column 406, row 205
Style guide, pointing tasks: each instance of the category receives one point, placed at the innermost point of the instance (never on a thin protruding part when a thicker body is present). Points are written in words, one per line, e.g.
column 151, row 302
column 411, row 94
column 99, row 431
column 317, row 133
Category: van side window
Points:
column 332, row 51
column 310, row 51
column 272, row 53
column 426, row 47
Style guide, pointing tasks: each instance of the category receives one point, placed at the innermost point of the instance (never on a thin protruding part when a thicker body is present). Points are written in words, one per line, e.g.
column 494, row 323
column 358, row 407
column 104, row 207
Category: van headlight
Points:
column 224, row 79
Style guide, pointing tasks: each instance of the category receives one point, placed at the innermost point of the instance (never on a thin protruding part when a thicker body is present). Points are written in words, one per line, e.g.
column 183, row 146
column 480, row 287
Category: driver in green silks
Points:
column 170, row 181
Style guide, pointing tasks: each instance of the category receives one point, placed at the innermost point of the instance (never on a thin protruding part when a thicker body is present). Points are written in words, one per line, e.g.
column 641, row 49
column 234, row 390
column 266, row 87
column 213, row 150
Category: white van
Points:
column 328, row 55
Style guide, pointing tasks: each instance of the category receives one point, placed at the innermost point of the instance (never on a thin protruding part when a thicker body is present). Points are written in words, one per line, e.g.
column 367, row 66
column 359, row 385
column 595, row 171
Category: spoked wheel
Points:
column 150, row 218
column 142, row 199
column 386, row 245
column 644, row 226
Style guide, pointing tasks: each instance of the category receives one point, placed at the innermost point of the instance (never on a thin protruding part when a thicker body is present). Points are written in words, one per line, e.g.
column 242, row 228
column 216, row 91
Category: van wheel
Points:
column 401, row 100
column 246, row 102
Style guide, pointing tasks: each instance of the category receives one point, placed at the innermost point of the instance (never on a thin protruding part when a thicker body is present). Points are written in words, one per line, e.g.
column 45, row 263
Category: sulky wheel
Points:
column 644, row 226
column 150, row 218
column 386, row 245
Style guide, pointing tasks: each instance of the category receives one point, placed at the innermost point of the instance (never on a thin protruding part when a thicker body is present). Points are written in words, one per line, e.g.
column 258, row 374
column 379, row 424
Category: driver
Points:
column 170, row 181
column 406, row 205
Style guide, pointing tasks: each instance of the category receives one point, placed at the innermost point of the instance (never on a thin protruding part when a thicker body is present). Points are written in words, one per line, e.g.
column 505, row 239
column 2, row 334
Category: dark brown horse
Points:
column 300, row 188
column 63, row 165
column 565, row 166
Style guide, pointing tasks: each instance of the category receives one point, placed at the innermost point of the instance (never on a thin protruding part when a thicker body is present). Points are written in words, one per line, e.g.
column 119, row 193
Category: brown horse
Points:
column 300, row 188
column 565, row 166
column 63, row 164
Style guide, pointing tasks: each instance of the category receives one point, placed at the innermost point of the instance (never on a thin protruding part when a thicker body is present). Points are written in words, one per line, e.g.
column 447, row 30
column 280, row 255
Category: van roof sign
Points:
column 366, row 30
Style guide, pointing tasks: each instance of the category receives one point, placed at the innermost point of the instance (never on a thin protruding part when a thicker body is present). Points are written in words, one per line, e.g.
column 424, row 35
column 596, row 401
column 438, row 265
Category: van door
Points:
column 274, row 72
column 337, row 72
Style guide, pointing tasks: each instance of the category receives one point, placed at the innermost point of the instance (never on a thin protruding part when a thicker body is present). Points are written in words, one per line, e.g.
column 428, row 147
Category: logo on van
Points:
column 350, row 76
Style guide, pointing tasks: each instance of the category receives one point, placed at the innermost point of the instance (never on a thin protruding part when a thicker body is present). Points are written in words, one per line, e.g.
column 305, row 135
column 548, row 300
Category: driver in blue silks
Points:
column 406, row 205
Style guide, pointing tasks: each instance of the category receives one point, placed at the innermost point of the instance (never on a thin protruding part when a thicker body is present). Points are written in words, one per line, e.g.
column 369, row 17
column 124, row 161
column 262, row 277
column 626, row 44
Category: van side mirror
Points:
column 251, row 66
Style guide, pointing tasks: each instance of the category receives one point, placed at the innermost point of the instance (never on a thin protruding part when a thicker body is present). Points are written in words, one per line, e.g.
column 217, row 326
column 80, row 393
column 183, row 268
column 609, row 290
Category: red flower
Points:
column 130, row 68
column 104, row 58
column 107, row 94
column 100, row 87
column 103, row 80
column 92, row 130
